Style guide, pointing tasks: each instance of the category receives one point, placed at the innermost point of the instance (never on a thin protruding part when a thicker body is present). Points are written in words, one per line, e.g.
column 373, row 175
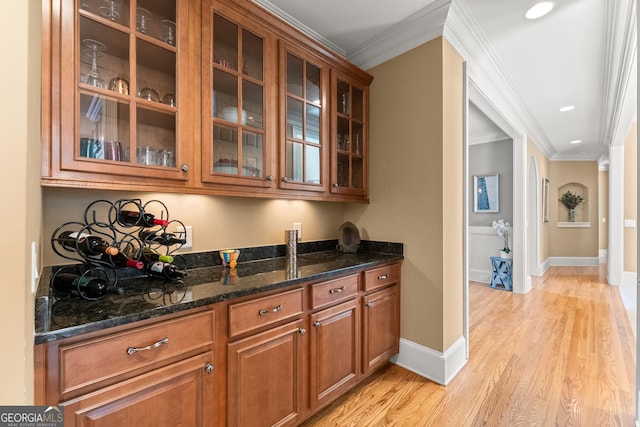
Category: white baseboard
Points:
column 438, row 367
column 573, row 261
column 482, row 276
column 603, row 254
column 629, row 278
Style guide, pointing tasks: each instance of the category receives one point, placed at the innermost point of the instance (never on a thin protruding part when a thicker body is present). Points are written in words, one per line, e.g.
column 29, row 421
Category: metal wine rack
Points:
column 102, row 218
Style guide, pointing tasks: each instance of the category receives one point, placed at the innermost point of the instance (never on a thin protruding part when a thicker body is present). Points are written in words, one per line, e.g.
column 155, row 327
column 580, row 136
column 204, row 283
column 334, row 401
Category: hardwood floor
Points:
column 562, row 355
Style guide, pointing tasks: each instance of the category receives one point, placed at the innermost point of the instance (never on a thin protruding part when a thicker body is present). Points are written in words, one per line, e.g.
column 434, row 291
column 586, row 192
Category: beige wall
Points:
column 630, row 198
column 415, row 199
column 218, row 222
column 573, row 242
column 20, row 176
column 603, row 210
column 543, row 172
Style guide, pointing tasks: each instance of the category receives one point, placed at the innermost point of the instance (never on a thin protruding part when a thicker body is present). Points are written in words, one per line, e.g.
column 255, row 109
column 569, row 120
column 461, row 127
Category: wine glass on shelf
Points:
column 111, row 9
column 143, row 19
column 168, row 34
column 95, row 49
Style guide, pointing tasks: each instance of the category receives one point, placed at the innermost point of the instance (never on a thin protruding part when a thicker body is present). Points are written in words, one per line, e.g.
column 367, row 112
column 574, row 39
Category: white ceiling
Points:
column 573, row 56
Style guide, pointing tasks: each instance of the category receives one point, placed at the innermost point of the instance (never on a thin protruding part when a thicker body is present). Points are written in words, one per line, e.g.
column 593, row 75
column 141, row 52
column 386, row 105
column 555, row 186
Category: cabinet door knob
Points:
column 269, row 177
column 368, row 304
column 208, row 368
column 285, row 179
column 316, row 324
column 302, row 331
column 336, row 185
column 185, row 168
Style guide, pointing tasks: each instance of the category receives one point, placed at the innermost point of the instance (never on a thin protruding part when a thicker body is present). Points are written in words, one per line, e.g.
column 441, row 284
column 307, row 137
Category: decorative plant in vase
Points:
column 502, row 228
column 571, row 202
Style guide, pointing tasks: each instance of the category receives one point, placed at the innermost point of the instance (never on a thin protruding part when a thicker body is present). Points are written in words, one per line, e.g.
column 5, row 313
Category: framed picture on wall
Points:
column 545, row 200
column 486, row 193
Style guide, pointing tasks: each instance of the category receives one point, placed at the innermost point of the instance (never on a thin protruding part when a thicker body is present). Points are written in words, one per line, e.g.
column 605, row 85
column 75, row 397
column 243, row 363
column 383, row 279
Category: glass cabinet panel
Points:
column 127, row 82
column 237, row 143
column 303, row 121
column 349, row 172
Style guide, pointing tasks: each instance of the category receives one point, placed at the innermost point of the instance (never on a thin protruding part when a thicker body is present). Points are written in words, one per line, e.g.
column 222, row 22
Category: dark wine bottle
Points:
column 122, row 261
column 140, row 218
column 86, row 243
column 166, row 239
column 91, row 287
column 165, row 270
column 150, row 256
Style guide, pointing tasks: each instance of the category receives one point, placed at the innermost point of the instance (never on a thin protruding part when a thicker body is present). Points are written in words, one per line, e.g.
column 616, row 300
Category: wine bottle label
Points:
column 157, row 267
column 77, row 235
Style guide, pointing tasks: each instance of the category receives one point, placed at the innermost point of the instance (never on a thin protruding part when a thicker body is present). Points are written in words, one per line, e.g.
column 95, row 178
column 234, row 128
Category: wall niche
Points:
column 581, row 212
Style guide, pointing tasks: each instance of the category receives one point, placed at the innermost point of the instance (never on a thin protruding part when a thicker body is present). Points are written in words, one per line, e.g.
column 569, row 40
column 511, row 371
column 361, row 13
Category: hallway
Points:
column 564, row 354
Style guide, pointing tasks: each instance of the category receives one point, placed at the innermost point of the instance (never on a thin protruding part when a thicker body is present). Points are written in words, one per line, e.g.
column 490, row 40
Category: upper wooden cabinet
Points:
column 119, row 92
column 304, row 130
column 205, row 97
column 350, row 136
column 237, row 94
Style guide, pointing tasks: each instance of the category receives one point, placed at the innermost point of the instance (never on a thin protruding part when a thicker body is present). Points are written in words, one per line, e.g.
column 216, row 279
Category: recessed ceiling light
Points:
column 567, row 108
column 575, row 141
column 538, row 10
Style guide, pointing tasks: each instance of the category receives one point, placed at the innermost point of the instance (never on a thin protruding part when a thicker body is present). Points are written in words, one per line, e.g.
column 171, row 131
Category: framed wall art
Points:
column 486, row 193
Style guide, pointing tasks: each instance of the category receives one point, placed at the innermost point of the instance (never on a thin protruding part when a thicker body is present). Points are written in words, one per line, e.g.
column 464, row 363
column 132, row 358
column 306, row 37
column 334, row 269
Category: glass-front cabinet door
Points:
column 303, row 120
column 128, row 80
column 349, row 137
column 233, row 112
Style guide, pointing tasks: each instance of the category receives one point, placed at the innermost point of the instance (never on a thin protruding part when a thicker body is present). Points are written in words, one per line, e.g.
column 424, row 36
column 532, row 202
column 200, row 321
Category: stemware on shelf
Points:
column 168, row 34
column 111, row 9
column 95, row 48
column 143, row 20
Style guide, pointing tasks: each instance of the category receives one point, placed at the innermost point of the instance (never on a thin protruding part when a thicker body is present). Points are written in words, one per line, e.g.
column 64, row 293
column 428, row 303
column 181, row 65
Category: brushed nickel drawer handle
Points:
column 132, row 350
column 337, row 290
column 383, row 276
column 272, row 310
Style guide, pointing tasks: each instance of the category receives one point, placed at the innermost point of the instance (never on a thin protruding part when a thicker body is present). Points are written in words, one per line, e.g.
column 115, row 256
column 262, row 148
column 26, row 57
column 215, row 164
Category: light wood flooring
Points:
column 562, row 355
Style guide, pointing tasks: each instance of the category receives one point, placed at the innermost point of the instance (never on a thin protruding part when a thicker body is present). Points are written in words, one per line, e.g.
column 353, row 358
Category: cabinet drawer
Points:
column 333, row 291
column 103, row 358
column 382, row 276
column 250, row 315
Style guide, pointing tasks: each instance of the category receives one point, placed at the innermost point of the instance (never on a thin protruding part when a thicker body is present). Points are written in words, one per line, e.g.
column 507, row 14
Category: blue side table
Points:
column 501, row 275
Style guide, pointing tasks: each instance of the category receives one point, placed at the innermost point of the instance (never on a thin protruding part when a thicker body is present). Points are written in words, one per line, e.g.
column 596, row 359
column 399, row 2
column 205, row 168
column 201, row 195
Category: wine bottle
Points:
column 86, row 243
column 140, row 218
column 166, row 239
column 122, row 261
column 91, row 287
column 150, row 256
column 165, row 270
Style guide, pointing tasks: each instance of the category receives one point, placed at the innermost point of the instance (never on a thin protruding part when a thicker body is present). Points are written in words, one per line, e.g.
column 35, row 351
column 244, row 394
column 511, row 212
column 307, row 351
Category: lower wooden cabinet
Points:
column 265, row 376
column 381, row 327
column 283, row 356
column 334, row 364
column 180, row 394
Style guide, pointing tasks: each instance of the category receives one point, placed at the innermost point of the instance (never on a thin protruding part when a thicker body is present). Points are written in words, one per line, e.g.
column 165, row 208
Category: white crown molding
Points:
column 275, row 10
column 577, row 157
column 464, row 33
column 620, row 61
column 418, row 28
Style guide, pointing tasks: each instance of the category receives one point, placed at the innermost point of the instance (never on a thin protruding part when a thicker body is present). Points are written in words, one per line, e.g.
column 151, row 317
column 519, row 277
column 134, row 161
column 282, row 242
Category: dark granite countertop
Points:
column 58, row 317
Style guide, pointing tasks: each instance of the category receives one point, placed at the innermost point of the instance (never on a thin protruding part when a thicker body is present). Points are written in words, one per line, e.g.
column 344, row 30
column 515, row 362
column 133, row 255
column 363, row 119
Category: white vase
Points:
column 506, row 255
